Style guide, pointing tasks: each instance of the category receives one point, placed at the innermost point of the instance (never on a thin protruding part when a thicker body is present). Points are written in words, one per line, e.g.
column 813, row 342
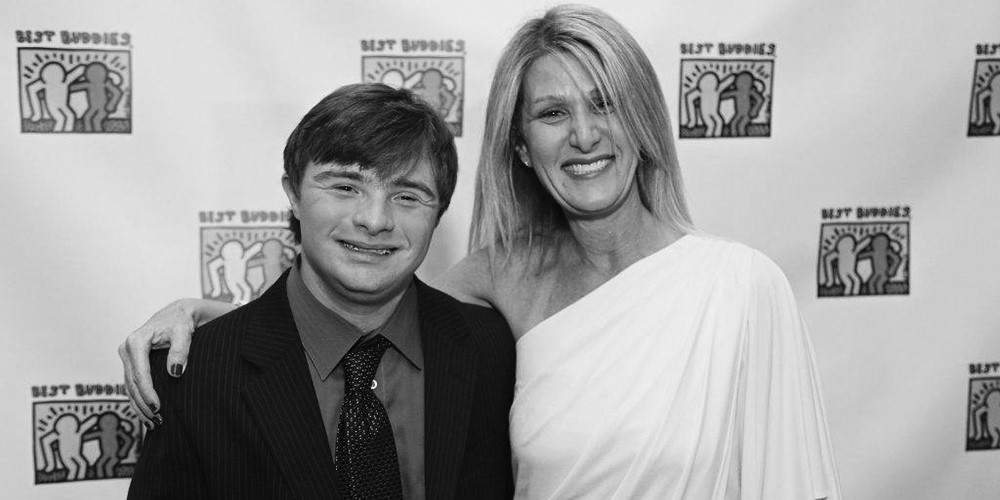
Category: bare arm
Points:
column 170, row 327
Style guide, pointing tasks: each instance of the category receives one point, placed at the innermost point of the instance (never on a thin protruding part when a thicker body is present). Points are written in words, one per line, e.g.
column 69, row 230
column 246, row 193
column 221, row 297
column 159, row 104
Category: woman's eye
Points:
column 603, row 107
column 551, row 114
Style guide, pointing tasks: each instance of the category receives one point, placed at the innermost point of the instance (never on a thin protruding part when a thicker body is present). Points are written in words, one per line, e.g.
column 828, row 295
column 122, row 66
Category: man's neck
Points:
column 364, row 311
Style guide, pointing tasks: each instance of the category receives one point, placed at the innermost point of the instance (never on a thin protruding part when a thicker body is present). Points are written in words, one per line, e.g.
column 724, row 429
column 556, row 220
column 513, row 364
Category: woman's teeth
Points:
column 587, row 168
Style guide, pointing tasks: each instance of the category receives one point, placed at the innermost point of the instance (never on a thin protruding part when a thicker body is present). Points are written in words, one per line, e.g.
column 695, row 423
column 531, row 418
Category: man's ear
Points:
column 293, row 199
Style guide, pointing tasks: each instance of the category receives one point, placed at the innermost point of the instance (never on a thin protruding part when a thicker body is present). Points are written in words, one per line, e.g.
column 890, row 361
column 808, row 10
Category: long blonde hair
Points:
column 512, row 210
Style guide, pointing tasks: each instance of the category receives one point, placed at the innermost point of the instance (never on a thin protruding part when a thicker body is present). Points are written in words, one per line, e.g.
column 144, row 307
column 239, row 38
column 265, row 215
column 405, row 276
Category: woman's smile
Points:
column 587, row 169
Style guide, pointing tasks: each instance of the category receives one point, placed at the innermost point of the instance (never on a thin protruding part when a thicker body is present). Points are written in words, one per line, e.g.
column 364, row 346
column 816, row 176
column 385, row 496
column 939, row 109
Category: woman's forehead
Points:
column 558, row 76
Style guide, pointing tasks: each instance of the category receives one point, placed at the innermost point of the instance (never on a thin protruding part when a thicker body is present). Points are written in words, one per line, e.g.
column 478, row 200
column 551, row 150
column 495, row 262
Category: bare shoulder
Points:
column 470, row 280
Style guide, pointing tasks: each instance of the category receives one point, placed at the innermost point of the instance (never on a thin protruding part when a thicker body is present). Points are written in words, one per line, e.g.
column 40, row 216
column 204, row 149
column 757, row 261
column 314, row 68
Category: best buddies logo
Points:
column 984, row 108
column 82, row 432
column 243, row 252
column 75, row 82
column 864, row 251
column 983, row 432
column 726, row 89
column 433, row 69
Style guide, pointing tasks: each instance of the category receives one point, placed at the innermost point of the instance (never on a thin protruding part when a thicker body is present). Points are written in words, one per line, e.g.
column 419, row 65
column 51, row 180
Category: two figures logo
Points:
column 436, row 79
column 71, row 90
column 864, row 258
column 984, row 110
column 239, row 263
column 77, row 440
column 726, row 97
column 984, row 414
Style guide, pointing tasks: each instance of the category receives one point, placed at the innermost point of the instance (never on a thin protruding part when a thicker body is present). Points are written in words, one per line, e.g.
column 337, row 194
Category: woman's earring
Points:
column 527, row 163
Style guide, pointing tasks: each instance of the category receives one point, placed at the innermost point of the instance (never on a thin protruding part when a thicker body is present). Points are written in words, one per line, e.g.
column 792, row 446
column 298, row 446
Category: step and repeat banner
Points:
column 856, row 143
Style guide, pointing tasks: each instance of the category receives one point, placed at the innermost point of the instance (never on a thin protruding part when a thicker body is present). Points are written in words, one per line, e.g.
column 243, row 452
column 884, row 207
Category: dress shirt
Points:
column 399, row 380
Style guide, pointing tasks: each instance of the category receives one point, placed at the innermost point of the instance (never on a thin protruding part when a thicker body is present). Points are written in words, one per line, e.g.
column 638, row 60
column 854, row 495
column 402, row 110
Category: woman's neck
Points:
column 610, row 244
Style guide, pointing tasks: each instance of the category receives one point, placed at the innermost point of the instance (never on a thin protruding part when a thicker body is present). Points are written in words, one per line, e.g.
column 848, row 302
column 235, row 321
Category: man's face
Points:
column 362, row 237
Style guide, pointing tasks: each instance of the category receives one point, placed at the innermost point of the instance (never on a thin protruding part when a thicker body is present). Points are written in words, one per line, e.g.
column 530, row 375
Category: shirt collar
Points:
column 326, row 336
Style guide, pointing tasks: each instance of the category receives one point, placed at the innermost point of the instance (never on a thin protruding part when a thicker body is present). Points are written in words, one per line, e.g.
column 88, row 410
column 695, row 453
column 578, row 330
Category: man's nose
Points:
column 374, row 215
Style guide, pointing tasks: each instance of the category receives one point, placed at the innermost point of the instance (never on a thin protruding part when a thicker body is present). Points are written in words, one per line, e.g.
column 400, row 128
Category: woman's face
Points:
column 574, row 140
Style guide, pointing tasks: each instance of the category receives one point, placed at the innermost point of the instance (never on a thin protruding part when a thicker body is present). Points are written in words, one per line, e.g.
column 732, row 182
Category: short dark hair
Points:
column 376, row 127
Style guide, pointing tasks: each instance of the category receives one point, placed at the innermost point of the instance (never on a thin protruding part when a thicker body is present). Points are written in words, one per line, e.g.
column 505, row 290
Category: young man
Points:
column 348, row 378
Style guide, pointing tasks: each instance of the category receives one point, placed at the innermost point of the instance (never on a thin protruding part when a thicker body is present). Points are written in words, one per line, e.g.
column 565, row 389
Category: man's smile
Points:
column 368, row 249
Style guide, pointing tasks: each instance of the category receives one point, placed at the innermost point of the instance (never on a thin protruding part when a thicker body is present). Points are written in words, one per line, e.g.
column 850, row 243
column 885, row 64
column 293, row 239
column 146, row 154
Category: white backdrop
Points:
column 864, row 104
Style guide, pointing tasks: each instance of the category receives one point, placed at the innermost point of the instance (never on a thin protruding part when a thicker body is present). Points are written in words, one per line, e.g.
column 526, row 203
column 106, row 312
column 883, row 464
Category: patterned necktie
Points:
column 367, row 466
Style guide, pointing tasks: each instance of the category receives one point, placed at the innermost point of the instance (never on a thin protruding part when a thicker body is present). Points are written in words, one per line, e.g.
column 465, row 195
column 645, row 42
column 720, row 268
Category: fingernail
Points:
column 154, row 407
column 158, row 420
column 176, row 369
column 148, row 425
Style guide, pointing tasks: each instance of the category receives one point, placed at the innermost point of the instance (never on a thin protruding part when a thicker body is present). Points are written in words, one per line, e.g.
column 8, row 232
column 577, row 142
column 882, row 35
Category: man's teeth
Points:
column 376, row 251
column 587, row 168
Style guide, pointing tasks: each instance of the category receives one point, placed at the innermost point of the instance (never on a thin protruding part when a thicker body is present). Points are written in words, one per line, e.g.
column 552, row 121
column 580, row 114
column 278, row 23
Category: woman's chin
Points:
column 598, row 206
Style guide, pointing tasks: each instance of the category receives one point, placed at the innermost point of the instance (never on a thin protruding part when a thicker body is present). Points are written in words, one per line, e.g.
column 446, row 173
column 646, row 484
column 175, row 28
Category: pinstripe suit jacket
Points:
column 243, row 422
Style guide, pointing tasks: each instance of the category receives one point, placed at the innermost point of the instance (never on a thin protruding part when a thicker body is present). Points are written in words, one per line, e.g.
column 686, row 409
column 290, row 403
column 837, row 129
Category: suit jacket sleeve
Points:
column 168, row 467
column 487, row 472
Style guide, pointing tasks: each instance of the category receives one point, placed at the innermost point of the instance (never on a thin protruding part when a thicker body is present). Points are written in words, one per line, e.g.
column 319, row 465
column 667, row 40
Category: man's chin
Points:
column 373, row 289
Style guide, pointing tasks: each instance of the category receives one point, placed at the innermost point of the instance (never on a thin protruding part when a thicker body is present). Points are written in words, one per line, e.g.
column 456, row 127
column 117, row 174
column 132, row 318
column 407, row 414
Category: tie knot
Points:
column 361, row 362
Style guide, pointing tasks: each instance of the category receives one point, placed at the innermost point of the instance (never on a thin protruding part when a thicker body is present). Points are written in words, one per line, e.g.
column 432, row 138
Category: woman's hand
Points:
column 170, row 327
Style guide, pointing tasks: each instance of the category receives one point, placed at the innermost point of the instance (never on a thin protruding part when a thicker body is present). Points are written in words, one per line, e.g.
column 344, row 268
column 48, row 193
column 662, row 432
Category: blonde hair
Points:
column 512, row 210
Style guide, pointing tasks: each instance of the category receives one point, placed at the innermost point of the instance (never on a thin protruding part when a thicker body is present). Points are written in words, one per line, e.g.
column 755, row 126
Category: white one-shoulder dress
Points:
column 689, row 375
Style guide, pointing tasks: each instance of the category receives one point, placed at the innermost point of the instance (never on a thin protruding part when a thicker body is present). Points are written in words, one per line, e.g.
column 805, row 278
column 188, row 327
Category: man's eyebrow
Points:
column 403, row 182
column 339, row 174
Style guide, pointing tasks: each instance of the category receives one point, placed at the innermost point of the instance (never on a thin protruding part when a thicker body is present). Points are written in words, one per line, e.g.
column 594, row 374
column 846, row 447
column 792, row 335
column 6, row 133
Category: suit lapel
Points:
column 282, row 399
column 448, row 390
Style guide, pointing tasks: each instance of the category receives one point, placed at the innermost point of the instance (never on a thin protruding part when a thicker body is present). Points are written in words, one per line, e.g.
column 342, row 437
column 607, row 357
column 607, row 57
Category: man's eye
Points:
column 408, row 198
column 344, row 188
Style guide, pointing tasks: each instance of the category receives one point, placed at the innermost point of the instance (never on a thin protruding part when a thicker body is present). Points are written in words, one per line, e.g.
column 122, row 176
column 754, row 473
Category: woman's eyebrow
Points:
column 546, row 99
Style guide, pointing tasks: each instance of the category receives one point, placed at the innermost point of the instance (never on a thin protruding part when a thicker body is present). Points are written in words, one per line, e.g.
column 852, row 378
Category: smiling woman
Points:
column 574, row 140
column 652, row 361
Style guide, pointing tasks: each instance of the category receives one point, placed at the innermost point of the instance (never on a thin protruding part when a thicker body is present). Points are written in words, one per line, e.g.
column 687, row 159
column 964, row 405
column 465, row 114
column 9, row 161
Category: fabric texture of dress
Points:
column 689, row 375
